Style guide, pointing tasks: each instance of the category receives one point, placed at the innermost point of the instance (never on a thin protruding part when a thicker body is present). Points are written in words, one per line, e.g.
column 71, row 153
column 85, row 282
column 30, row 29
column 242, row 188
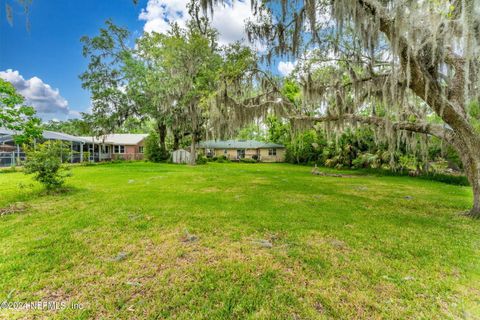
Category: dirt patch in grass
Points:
column 13, row 208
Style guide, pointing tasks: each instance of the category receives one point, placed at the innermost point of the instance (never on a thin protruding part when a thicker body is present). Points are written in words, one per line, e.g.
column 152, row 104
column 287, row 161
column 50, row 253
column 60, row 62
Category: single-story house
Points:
column 125, row 146
column 93, row 149
column 239, row 149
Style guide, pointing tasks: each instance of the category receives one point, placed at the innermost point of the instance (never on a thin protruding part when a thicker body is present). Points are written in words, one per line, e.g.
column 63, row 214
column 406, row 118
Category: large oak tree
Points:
column 403, row 55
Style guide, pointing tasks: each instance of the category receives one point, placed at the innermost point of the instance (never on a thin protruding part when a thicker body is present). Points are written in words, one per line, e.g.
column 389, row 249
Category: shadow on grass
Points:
column 31, row 192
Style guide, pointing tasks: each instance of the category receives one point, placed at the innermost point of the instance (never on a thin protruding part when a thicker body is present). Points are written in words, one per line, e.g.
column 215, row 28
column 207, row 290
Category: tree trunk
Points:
column 162, row 133
column 475, row 212
column 176, row 140
column 193, row 150
column 427, row 86
column 471, row 164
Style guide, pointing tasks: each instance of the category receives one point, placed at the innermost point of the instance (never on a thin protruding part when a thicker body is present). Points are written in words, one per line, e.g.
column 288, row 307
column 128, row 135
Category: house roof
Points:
column 7, row 135
column 51, row 135
column 117, row 138
column 238, row 144
column 4, row 131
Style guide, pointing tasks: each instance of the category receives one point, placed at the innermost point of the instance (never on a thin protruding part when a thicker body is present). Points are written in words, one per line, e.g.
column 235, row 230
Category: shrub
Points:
column 201, row 159
column 153, row 151
column 458, row 180
column 247, row 160
column 305, row 147
column 221, row 159
column 46, row 163
column 86, row 157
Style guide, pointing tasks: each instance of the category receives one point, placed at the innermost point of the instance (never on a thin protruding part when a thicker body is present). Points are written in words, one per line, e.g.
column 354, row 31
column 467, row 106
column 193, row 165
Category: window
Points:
column 240, row 153
column 118, row 149
column 272, row 152
column 225, row 151
column 140, row 149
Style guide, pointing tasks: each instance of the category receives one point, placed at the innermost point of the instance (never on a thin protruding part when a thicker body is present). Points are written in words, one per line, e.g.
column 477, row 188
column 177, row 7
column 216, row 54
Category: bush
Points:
column 221, row 159
column 201, row 159
column 446, row 178
column 153, row 152
column 46, row 163
column 305, row 147
column 247, row 160
column 458, row 180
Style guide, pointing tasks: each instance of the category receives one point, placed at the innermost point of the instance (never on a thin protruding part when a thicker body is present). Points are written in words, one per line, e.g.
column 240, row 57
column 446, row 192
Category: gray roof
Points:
column 117, row 138
column 51, row 135
column 238, row 144
column 48, row 135
column 4, row 131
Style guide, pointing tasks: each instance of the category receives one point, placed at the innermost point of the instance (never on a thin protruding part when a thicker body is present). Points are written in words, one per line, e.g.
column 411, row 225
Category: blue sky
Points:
column 44, row 62
column 51, row 49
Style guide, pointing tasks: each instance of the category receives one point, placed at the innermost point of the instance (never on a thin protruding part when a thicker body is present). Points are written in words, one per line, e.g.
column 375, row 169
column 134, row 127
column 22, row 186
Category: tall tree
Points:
column 405, row 55
column 107, row 79
column 186, row 70
column 153, row 81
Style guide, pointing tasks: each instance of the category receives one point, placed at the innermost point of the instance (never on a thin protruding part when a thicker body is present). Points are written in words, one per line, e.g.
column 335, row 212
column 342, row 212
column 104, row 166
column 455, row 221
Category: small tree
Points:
column 46, row 163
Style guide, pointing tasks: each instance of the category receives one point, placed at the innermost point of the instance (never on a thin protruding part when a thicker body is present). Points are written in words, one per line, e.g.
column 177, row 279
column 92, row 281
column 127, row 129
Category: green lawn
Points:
column 239, row 241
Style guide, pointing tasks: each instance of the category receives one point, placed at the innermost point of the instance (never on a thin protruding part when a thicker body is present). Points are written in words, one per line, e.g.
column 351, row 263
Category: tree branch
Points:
column 423, row 83
column 436, row 130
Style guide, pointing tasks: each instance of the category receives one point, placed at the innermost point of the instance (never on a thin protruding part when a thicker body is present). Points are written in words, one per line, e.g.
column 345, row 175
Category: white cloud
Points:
column 160, row 13
column 286, row 67
column 73, row 114
column 41, row 96
column 229, row 20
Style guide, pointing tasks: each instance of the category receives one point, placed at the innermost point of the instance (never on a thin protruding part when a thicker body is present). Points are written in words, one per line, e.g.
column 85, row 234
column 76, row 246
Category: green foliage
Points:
column 438, row 150
column 458, row 180
column 350, row 145
column 220, row 159
column 45, row 162
column 369, row 160
column 251, row 132
column 153, row 152
column 76, row 127
column 277, row 130
column 357, row 149
column 291, row 90
column 14, row 115
column 248, row 160
column 201, row 159
column 113, row 101
column 305, row 147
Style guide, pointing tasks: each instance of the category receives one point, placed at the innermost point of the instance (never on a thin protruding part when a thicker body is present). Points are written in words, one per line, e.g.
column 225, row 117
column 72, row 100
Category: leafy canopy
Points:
column 16, row 116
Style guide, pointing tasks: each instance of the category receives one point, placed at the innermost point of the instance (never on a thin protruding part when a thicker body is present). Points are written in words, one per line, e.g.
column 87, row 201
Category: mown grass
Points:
column 239, row 241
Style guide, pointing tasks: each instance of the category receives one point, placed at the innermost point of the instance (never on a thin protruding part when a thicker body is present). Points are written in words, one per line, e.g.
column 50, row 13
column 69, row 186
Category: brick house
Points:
column 125, row 146
column 239, row 149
